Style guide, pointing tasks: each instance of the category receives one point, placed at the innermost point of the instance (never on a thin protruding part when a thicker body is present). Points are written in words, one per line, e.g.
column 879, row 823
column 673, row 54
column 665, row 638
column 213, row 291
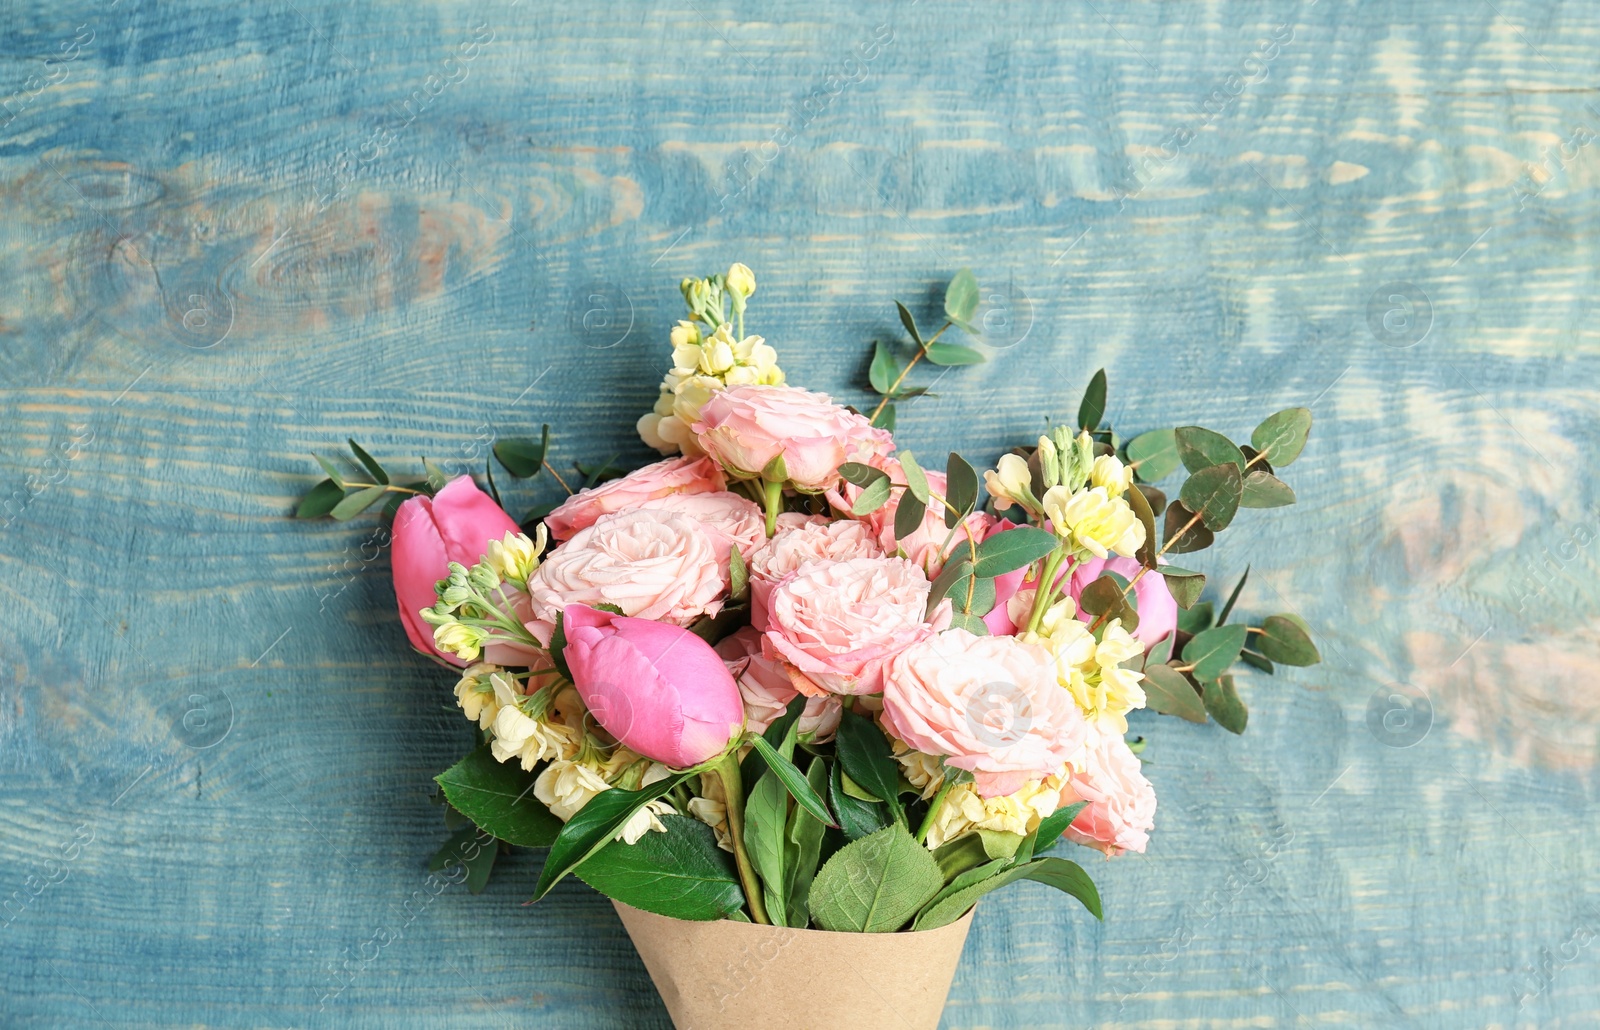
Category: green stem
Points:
column 934, row 807
column 772, row 495
column 727, row 770
column 1046, row 588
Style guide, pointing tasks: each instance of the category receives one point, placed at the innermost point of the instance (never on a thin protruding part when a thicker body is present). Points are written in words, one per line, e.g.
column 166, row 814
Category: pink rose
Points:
column 746, row 427
column 794, row 545
column 659, row 689
column 765, row 686
column 1158, row 612
column 990, row 705
column 727, row 520
column 1122, row 803
column 652, row 564
column 836, row 623
column 455, row 525
column 663, row 479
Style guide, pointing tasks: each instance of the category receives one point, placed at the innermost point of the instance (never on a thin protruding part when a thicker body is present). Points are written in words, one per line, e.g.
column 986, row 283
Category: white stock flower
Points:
column 1010, row 482
column 516, row 556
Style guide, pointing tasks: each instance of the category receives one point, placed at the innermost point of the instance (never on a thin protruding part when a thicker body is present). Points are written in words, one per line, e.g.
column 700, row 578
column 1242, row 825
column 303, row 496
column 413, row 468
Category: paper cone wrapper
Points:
column 727, row 974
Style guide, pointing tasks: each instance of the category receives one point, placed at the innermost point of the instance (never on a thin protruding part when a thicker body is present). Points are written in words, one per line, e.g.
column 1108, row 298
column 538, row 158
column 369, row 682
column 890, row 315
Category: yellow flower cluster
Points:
column 964, row 811
column 566, row 785
column 1092, row 670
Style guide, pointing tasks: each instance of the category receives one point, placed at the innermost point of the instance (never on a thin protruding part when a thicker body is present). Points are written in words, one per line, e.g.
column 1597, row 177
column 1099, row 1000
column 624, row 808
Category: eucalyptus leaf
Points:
column 1256, row 661
column 1153, row 455
column 1284, row 640
column 961, row 489
column 1182, row 537
column 955, row 571
column 941, row 353
column 884, row 419
column 857, row 474
column 910, row 323
column 1012, row 549
column 961, row 297
column 680, row 873
column 1184, row 586
column 320, row 500
column 908, row 514
column 1157, row 499
column 1200, row 448
column 357, row 503
column 1227, row 609
column 884, row 369
column 1281, row 436
column 916, row 480
column 1213, row 493
column 875, row 884
column 1265, row 490
column 1169, row 692
column 1093, row 406
column 1142, row 511
column 973, row 624
column 872, row 497
column 1222, row 701
column 1211, row 651
column 1197, row 617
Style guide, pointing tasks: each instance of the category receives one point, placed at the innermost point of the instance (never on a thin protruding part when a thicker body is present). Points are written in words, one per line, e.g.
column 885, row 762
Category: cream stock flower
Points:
column 1112, row 474
column 475, row 693
column 701, row 367
column 566, row 786
column 532, row 738
column 1098, row 523
column 965, row 810
column 1010, row 482
column 516, row 556
column 924, row 772
column 740, row 280
column 1105, row 693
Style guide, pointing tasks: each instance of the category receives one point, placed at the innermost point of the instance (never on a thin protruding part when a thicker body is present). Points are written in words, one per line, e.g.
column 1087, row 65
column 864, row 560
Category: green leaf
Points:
column 1146, row 554
column 1211, row 651
column 472, row 849
column 1227, row 609
column 1255, row 661
column 910, row 323
column 805, row 847
column 369, row 462
column 1169, row 692
column 961, row 297
column 594, row 826
column 1068, row 877
column 908, row 514
column 955, row 354
column 1052, row 826
column 1282, row 435
column 1057, row 872
column 1265, row 490
column 1197, row 618
column 1285, row 641
column 961, row 489
column 916, row 481
column 866, row 757
column 794, row 781
column 884, row 369
column 357, row 503
column 872, row 497
column 327, row 466
column 320, row 500
column 779, row 736
column 776, row 470
column 766, row 814
column 1214, row 493
column 1184, row 586
column 1012, row 549
column 944, row 584
column 738, row 575
column 488, row 474
column 1201, row 448
column 857, row 474
column 1194, row 538
column 1000, row 844
column 1222, row 701
column 1093, row 406
column 960, row 857
column 558, row 644
column 681, row 873
column 973, row 624
column 1104, row 597
column 875, row 884
column 857, row 818
column 498, row 798
column 437, row 478
column 1153, row 497
column 1153, row 455
column 523, row 458
column 884, row 419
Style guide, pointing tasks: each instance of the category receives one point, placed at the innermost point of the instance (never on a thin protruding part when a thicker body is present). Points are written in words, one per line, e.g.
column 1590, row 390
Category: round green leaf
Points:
column 1265, row 490
column 1282, row 435
column 1200, row 448
column 1214, row 493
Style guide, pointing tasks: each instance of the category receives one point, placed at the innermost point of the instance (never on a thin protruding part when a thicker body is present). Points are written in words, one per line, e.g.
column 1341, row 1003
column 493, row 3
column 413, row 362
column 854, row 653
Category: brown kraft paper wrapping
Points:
column 727, row 974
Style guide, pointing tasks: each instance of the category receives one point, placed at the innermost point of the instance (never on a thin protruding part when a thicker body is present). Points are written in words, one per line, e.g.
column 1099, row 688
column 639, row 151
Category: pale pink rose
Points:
column 746, row 427
column 1158, row 612
column 727, row 519
column 835, row 623
column 765, row 686
column 1122, row 803
column 652, row 564
column 663, row 479
column 794, row 545
column 990, row 705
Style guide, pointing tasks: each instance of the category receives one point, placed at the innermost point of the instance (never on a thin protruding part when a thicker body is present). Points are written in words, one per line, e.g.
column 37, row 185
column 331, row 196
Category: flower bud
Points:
column 1110, row 473
column 1010, row 482
column 1049, row 462
column 741, row 281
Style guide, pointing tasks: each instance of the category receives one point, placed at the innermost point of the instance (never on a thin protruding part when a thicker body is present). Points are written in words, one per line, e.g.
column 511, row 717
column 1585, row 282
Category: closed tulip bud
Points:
column 659, row 689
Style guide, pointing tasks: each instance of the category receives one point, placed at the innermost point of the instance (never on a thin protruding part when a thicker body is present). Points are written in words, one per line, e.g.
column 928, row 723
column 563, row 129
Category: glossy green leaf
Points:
column 804, row 838
column 1200, row 448
column 357, row 503
column 867, row 758
column 1153, row 455
column 1281, row 436
column 766, row 817
column 1052, row 826
column 1197, row 617
column 320, row 500
column 794, row 781
column 369, row 462
column 1265, row 490
column 1013, row 549
column 857, row 818
column 1093, row 406
column 1211, row 651
column 1284, row 640
column 1184, row 586
column 522, row 457
column 680, row 873
column 1214, row 494
column 594, row 826
column 472, row 849
column 327, row 466
column 875, row 884
column 498, row 798
column 1222, row 701
column 961, row 297
column 437, row 477
column 1169, row 692
column 1057, row 872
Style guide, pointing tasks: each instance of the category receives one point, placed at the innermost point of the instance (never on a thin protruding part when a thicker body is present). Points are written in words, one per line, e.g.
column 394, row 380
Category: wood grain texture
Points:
column 236, row 232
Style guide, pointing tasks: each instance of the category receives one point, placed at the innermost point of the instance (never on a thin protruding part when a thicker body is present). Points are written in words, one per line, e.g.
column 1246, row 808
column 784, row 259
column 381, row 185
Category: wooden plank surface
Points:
column 234, row 232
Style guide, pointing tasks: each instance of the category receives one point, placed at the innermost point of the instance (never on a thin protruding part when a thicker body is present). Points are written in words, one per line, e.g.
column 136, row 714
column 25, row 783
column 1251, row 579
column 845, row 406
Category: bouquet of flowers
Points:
column 791, row 677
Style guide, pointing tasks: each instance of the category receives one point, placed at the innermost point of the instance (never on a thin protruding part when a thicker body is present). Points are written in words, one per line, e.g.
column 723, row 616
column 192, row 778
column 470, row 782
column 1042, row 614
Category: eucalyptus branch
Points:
column 895, row 386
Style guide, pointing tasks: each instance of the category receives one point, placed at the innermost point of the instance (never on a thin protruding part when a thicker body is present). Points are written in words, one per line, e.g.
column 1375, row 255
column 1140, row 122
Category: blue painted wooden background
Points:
column 234, row 232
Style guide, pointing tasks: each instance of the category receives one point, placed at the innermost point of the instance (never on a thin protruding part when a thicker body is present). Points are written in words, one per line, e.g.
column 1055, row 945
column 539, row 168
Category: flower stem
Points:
column 772, row 495
column 1046, row 589
column 934, row 808
column 727, row 770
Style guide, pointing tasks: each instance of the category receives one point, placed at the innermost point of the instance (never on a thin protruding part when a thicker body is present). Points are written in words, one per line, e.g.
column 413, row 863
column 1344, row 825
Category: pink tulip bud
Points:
column 456, row 524
column 657, row 688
